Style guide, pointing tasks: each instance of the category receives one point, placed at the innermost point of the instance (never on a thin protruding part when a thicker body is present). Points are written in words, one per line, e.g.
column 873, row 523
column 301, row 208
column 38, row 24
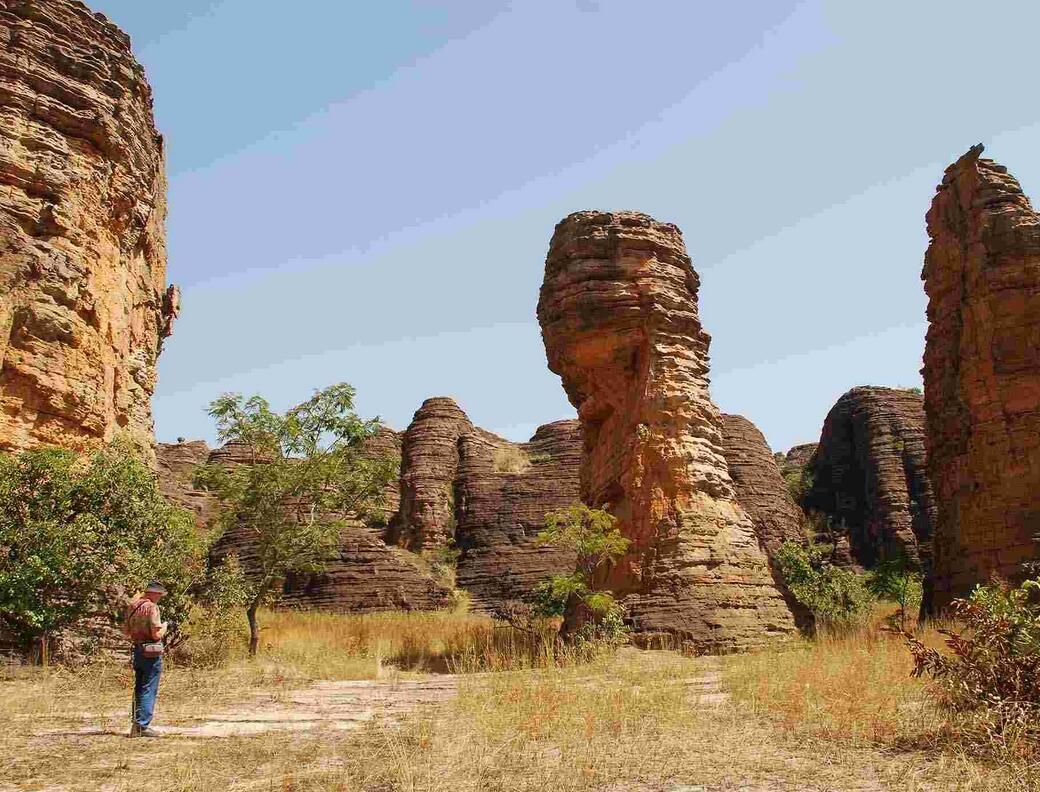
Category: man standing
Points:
column 145, row 628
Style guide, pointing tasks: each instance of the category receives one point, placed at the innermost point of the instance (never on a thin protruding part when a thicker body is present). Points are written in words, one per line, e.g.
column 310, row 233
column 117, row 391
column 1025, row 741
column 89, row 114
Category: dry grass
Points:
column 510, row 459
column 840, row 714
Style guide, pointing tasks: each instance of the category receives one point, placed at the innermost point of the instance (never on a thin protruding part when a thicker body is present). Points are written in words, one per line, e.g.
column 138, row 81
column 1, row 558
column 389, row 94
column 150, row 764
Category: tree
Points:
column 898, row 578
column 593, row 535
column 77, row 533
column 838, row 597
column 309, row 473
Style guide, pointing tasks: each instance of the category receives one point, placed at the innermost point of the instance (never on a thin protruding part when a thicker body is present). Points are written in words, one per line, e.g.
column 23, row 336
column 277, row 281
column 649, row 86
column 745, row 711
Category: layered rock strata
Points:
column 501, row 509
column 618, row 311
column 468, row 490
column 982, row 376
column 758, row 485
column 798, row 456
column 869, row 478
column 84, row 306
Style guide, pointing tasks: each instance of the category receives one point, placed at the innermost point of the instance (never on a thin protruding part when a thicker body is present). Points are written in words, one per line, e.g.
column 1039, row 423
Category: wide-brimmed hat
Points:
column 155, row 587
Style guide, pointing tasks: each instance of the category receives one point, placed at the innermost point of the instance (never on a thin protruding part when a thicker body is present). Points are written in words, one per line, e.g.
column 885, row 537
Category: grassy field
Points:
column 840, row 713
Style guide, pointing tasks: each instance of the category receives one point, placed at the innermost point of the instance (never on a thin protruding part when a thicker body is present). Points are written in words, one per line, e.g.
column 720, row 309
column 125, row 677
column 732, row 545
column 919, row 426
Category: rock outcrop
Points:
column 982, row 375
column 175, row 465
column 84, row 306
column 869, row 478
column 469, row 490
column 798, row 456
column 758, row 485
column 501, row 509
column 618, row 311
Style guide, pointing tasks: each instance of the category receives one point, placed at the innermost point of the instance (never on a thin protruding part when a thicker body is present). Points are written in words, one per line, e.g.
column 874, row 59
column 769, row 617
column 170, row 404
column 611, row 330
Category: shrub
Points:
column 992, row 669
column 77, row 534
column 510, row 459
column 899, row 580
column 215, row 624
column 799, row 481
column 837, row 597
column 593, row 535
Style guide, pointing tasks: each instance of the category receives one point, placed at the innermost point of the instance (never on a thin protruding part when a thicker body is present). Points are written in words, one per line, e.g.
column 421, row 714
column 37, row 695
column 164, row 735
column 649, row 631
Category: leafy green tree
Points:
column 77, row 533
column 310, row 472
column 593, row 535
column 836, row 596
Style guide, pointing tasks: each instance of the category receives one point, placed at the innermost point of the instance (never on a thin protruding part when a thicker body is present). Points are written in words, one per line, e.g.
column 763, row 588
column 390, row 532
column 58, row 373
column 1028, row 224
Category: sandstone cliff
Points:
column 618, row 311
column 84, row 306
column 798, row 456
column 982, row 375
column 869, row 477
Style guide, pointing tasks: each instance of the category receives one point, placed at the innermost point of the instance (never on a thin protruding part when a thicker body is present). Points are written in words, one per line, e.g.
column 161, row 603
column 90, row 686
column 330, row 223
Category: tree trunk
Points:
column 254, row 630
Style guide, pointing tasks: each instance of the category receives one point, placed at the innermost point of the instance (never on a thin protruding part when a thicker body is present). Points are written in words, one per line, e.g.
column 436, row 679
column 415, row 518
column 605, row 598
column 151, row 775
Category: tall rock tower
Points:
column 84, row 306
column 618, row 311
column 982, row 376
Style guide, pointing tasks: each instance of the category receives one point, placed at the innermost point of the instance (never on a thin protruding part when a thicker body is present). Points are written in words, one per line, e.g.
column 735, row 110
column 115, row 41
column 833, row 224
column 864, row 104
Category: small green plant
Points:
column 899, row 580
column 799, row 481
column 593, row 535
column 837, row 597
column 215, row 625
column 992, row 667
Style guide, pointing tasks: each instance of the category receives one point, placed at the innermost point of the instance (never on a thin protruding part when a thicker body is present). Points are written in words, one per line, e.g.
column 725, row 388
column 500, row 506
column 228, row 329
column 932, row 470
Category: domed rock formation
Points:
column 618, row 311
column 798, row 456
column 982, row 376
column 868, row 475
column 501, row 508
column 465, row 488
column 84, row 306
column 758, row 485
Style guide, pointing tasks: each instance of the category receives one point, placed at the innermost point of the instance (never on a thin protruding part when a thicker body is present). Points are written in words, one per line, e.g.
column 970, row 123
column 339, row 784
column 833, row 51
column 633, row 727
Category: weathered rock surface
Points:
column 501, row 511
column 869, row 476
column 175, row 465
column 465, row 488
column 982, row 375
column 84, row 305
column 365, row 575
column 618, row 311
column 799, row 456
column 758, row 485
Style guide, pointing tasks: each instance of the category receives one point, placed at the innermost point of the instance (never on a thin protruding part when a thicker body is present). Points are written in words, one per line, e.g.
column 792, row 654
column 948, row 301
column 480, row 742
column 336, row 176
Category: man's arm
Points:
column 158, row 628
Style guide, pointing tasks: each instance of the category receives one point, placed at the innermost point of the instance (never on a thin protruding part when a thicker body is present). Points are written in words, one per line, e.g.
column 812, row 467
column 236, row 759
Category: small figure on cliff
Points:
column 144, row 627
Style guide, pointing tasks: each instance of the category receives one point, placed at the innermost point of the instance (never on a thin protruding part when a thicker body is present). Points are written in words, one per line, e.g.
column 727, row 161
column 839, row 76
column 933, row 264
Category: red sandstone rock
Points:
column 869, row 475
column 84, row 305
column 799, row 456
column 618, row 310
column 982, row 375
column 758, row 485
column 175, row 465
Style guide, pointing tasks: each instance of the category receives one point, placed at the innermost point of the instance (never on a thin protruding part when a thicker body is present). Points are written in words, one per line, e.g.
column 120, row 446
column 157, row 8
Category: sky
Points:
column 364, row 192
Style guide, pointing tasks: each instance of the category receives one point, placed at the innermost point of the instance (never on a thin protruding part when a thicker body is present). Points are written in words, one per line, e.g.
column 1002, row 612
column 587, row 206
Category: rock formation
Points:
column 868, row 475
column 465, row 488
column 175, row 465
column 758, row 485
column 798, row 456
column 618, row 311
column 501, row 509
column 84, row 306
column 982, row 375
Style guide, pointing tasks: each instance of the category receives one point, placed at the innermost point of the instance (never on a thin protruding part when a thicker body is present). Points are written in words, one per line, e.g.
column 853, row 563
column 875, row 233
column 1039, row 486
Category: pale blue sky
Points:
column 365, row 192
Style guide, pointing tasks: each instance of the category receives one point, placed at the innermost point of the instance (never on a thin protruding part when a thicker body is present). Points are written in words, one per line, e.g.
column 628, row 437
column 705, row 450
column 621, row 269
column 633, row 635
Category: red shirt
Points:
column 142, row 622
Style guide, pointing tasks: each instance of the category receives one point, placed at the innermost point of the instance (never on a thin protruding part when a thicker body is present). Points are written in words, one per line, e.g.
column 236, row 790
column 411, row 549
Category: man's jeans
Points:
column 146, row 686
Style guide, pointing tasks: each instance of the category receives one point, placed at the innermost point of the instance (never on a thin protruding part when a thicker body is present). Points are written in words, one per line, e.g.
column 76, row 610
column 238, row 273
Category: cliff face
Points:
column 618, row 311
column 869, row 475
column 982, row 375
column 799, row 455
column 758, row 485
column 83, row 301
column 501, row 509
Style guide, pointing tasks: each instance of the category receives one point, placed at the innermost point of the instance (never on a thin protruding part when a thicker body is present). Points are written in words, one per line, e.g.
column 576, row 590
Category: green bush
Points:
column 593, row 535
column 79, row 534
column 991, row 670
column 837, row 597
column 215, row 624
column 898, row 579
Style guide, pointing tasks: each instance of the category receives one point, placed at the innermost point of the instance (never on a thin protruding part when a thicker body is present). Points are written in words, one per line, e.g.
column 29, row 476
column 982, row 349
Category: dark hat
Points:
column 156, row 587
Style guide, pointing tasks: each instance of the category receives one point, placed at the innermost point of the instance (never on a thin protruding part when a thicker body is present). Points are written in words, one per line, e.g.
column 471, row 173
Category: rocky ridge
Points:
column 84, row 306
column 982, row 376
column 618, row 311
